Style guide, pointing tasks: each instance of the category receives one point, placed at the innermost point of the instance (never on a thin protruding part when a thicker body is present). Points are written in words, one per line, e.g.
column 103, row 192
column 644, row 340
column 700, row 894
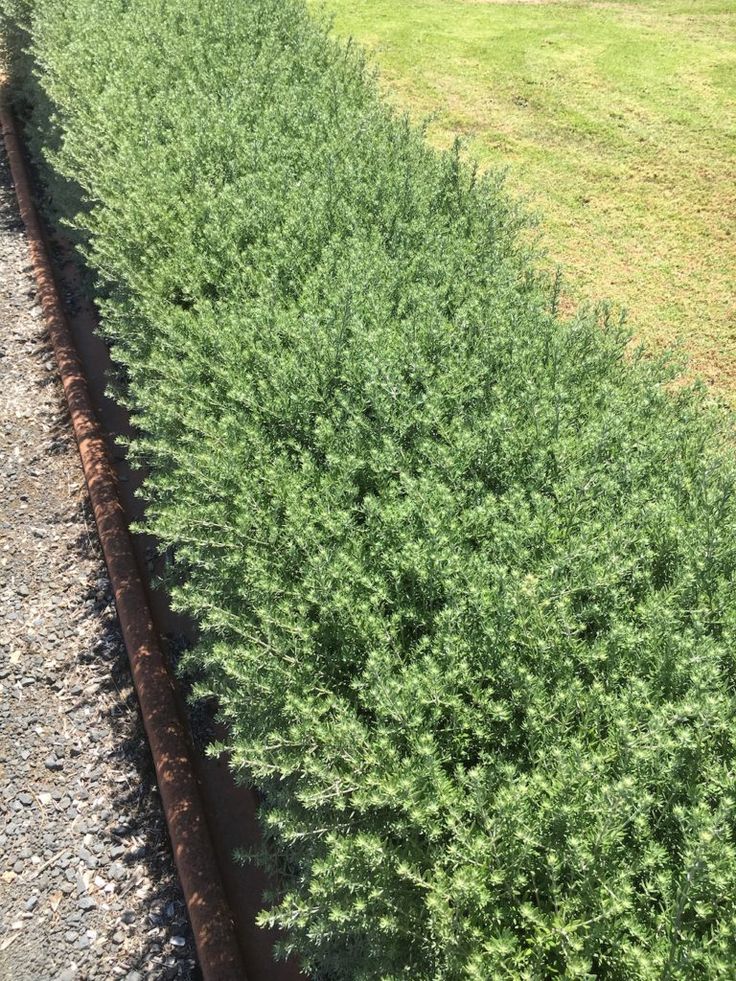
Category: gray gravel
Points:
column 87, row 888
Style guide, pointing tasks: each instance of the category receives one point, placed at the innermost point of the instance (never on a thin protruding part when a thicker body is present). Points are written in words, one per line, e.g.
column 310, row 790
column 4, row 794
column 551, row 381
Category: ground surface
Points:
column 87, row 888
column 618, row 120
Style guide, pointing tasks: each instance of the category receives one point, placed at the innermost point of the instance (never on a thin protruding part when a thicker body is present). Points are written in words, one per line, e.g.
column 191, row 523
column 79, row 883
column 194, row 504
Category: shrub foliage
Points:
column 464, row 571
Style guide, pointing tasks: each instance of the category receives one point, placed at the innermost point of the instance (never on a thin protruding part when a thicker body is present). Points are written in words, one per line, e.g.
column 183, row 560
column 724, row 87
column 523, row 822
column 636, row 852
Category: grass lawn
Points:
column 618, row 123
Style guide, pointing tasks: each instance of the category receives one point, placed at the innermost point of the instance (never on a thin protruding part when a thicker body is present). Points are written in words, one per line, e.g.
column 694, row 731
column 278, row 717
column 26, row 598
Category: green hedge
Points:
column 465, row 573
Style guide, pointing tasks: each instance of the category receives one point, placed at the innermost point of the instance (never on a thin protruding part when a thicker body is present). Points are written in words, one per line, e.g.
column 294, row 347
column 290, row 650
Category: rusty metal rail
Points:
column 212, row 923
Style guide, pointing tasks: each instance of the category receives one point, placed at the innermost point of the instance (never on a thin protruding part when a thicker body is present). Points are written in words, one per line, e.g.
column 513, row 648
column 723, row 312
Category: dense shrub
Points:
column 465, row 573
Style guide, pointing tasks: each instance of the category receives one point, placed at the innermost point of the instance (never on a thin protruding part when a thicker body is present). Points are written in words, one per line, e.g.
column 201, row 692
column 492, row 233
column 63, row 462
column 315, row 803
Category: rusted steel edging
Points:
column 212, row 924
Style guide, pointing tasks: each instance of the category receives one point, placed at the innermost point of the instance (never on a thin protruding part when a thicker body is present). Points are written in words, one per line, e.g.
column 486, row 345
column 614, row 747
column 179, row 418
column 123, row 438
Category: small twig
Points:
column 45, row 865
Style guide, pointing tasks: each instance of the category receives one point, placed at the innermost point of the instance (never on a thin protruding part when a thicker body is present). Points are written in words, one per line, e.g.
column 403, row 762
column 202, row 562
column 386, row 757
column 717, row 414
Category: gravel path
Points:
column 87, row 888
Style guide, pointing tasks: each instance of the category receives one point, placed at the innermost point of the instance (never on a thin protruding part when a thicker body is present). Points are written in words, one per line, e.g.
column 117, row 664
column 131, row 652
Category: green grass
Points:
column 618, row 122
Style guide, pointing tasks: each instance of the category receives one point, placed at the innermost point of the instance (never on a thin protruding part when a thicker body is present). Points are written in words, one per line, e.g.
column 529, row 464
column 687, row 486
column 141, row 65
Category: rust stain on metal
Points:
column 211, row 919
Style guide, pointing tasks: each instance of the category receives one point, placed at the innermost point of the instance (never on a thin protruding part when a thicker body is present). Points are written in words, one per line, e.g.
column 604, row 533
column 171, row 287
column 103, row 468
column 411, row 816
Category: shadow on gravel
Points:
column 136, row 836
column 79, row 786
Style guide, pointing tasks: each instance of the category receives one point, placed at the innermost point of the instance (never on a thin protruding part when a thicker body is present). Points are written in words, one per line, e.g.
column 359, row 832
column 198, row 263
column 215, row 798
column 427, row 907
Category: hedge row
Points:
column 464, row 571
